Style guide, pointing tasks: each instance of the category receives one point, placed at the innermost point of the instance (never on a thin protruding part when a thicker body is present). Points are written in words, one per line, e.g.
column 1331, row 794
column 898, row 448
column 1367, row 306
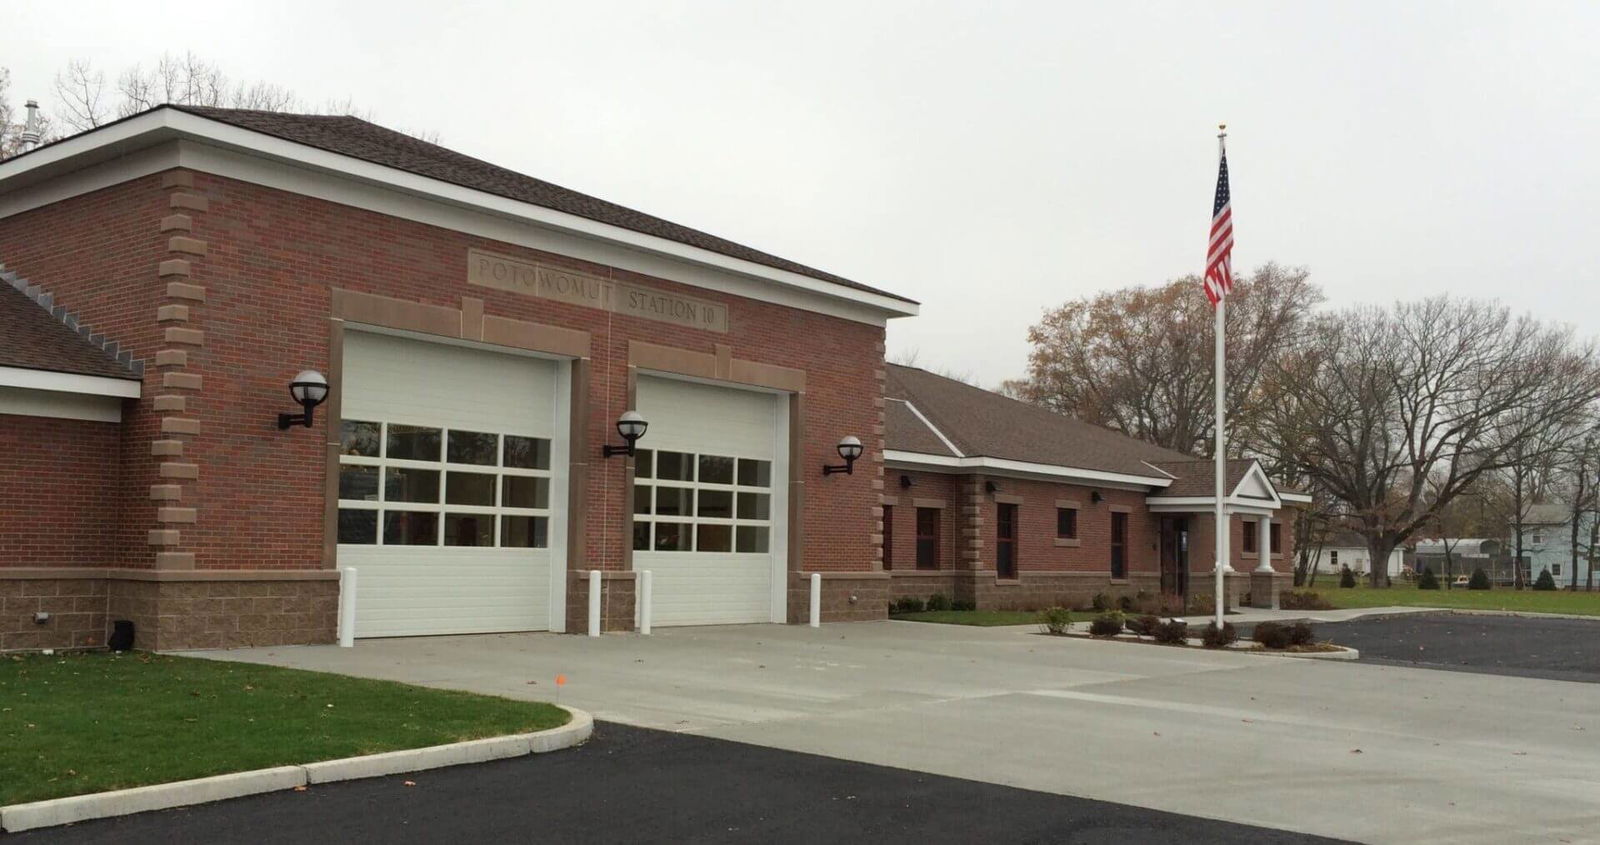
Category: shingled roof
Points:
column 32, row 338
column 984, row 423
column 357, row 138
column 1196, row 477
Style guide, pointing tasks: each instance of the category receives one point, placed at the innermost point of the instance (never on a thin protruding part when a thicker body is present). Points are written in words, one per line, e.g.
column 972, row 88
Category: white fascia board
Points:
column 1206, row 504
column 1295, row 497
column 166, row 124
column 979, row 463
column 69, row 383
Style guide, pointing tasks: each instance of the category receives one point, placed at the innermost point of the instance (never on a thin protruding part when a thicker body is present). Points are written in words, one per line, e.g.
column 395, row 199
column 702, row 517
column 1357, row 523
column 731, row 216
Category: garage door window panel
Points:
column 410, row 485
column 686, row 502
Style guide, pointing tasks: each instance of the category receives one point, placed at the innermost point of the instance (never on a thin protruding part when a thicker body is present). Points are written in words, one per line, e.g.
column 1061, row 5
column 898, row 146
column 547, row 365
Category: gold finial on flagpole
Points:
column 1222, row 128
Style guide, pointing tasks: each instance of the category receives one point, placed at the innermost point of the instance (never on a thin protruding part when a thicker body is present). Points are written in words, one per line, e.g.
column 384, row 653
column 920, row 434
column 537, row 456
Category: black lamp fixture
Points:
column 310, row 389
column 849, row 449
column 1096, row 497
column 990, row 487
column 631, row 426
column 905, row 481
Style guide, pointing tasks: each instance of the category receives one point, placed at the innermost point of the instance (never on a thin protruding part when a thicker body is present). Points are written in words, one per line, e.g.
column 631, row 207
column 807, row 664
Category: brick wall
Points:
column 99, row 255
column 59, row 493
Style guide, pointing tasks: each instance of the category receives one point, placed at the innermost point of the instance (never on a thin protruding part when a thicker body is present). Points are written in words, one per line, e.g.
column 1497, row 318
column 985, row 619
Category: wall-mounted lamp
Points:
column 631, row 426
column 990, row 487
column 905, row 481
column 1096, row 497
column 310, row 389
column 849, row 449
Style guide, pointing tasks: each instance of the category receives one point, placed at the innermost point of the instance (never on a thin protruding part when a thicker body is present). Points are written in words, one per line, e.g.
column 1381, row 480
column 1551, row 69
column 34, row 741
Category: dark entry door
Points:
column 1006, row 543
column 1174, row 555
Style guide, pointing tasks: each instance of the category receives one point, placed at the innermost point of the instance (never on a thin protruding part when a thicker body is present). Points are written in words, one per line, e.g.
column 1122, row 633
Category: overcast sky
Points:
column 987, row 159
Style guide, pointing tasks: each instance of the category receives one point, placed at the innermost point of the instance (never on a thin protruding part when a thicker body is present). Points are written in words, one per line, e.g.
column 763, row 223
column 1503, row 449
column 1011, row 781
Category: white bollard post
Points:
column 816, row 599
column 347, row 607
column 594, row 602
column 646, row 599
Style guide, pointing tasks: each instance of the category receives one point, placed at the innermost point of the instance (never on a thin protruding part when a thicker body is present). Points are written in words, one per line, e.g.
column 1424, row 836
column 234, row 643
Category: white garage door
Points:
column 447, row 485
column 710, row 498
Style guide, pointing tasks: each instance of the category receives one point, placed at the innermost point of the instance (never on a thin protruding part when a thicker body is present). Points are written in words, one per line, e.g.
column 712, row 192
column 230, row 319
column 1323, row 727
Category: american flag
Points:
column 1219, row 258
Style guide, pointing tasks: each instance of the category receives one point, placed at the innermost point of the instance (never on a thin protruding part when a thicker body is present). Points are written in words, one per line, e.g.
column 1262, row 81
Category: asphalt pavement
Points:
column 1524, row 646
column 638, row 785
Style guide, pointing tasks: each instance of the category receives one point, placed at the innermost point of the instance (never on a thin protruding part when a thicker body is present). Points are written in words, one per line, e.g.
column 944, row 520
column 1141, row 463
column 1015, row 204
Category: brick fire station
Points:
column 241, row 352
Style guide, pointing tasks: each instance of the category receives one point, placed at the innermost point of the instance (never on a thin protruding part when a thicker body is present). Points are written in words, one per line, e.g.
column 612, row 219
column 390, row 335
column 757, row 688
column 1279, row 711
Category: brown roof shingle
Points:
column 357, row 138
column 981, row 422
column 32, row 338
column 1197, row 477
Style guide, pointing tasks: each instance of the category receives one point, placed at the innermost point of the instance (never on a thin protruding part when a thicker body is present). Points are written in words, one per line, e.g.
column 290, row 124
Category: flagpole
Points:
column 1221, row 438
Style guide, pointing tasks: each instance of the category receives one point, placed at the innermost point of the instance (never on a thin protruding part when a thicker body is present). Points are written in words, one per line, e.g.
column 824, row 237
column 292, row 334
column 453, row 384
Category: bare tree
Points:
column 1139, row 360
column 81, row 96
column 1399, row 411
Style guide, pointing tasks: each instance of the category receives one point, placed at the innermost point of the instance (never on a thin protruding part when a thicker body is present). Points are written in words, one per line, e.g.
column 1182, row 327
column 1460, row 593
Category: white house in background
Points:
column 1347, row 548
column 1547, row 544
column 1466, row 554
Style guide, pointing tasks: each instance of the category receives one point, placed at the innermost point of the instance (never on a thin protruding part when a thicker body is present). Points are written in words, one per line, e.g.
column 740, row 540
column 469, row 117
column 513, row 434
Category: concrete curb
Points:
column 162, row 796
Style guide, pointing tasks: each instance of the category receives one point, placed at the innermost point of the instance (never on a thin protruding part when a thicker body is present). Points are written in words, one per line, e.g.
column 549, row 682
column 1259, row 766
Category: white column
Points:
column 1264, row 543
column 646, row 599
column 347, row 607
column 594, row 602
column 816, row 600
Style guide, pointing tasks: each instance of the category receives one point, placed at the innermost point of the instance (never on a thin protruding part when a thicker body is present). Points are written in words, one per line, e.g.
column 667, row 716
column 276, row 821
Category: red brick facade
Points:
column 205, row 481
column 1052, row 570
column 58, row 491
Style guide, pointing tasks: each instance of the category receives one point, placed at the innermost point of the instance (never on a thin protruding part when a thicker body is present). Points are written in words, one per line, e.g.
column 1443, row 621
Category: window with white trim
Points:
column 685, row 502
column 410, row 485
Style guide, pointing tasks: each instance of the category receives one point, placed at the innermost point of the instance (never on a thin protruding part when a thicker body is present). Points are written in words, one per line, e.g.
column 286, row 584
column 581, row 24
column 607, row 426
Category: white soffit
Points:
column 618, row 247
column 980, row 463
column 21, row 377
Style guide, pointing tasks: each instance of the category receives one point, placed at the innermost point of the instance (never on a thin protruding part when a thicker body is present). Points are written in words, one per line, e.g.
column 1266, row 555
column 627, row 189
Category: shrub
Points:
column 963, row 604
column 1428, row 581
column 1303, row 600
column 1479, row 580
column 1107, row 624
column 1200, row 603
column 937, row 601
column 1125, row 604
column 1214, row 637
column 1271, row 634
column 1144, row 625
column 1300, row 633
column 1055, row 620
column 1100, row 603
column 1347, row 579
column 909, row 604
column 1171, row 632
column 1544, row 581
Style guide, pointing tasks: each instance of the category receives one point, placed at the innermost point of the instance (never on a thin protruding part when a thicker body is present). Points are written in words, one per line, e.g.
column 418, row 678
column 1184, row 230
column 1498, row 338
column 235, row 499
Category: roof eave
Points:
column 983, row 463
column 165, row 123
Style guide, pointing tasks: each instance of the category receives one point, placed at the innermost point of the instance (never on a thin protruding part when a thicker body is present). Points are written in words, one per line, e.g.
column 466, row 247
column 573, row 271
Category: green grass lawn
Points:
column 91, row 722
column 1500, row 598
column 981, row 618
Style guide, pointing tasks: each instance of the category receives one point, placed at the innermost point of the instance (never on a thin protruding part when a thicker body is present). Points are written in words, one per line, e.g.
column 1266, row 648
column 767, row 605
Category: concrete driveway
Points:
column 1373, row 753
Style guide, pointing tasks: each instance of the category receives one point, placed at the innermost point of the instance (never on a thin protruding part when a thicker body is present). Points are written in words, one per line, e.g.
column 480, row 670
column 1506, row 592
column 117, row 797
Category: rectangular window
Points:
column 1333, row 558
column 683, row 501
column 1005, row 561
column 888, row 537
column 410, row 485
column 1555, row 570
column 1119, row 545
column 1067, row 523
column 1275, row 537
column 1250, row 531
column 928, row 538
